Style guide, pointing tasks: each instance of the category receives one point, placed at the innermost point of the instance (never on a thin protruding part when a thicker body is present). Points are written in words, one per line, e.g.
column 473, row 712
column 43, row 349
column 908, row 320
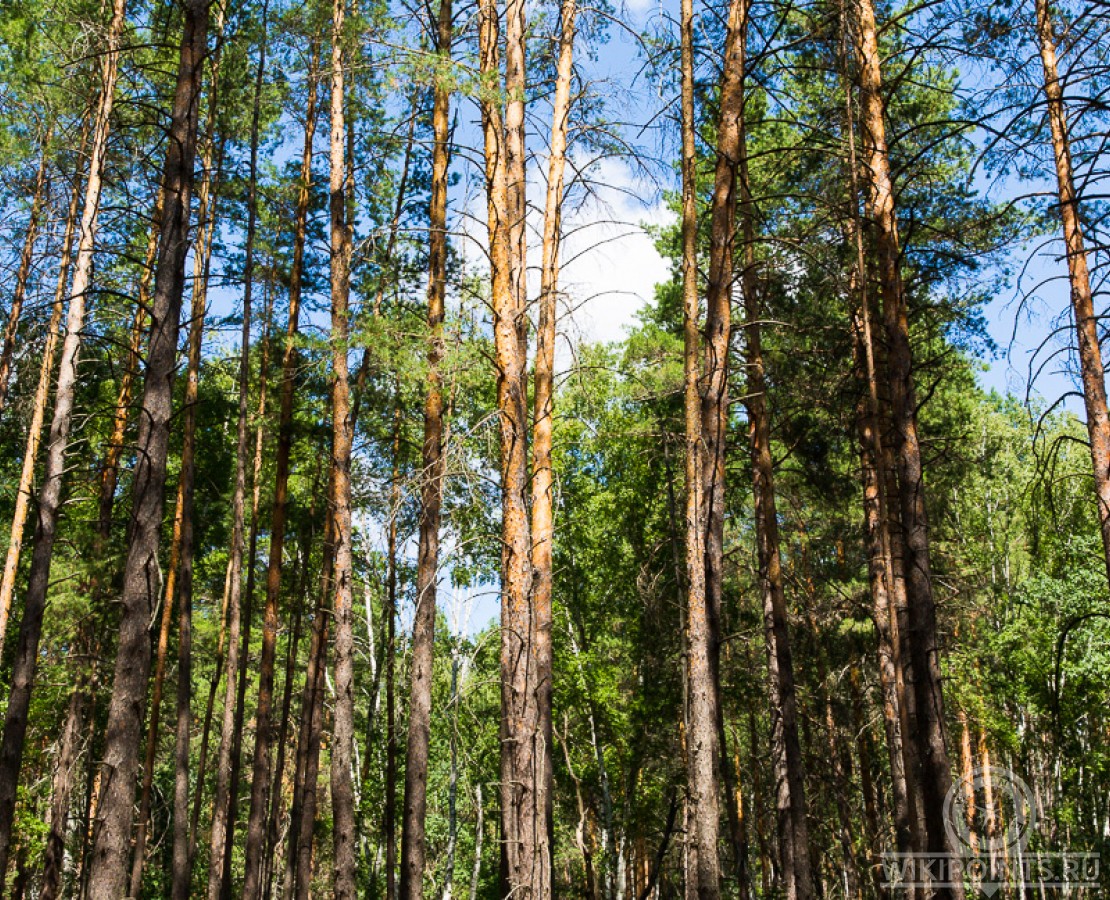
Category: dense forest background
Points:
column 344, row 562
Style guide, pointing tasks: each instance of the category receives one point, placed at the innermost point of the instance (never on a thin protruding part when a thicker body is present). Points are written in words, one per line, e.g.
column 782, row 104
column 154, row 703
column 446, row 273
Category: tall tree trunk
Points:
column 929, row 732
column 225, row 800
column 42, row 397
column 478, row 835
column 247, row 614
column 256, row 817
column 524, row 855
column 431, row 493
column 62, row 783
column 302, row 814
column 183, row 830
column 289, row 364
column 389, row 816
column 182, row 852
column 291, row 660
column 50, row 495
column 82, row 697
column 699, row 767
column 342, row 748
column 342, row 779
column 786, row 750
column 1082, row 301
column 887, row 587
column 202, row 255
column 154, row 719
column 543, row 482
column 180, row 559
column 22, row 277
column 108, row 868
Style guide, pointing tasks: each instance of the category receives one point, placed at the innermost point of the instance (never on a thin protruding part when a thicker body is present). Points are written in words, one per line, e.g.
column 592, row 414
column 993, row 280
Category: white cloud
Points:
column 610, row 264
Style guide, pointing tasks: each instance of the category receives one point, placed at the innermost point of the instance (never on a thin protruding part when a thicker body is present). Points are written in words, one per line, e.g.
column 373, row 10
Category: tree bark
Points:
column 1082, row 301
column 302, row 814
column 108, row 868
column 50, row 495
column 260, row 781
column 289, row 363
column 38, row 414
column 786, row 750
column 291, row 659
column 431, row 493
column 62, row 782
column 525, row 858
column 22, row 276
column 543, row 483
column 699, row 767
column 342, row 749
column 929, row 732
column 389, row 815
column 202, row 255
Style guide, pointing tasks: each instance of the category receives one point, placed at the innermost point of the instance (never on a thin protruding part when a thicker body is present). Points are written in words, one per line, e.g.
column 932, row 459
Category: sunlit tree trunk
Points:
column 202, row 255
column 543, row 484
column 23, row 274
column 431, row 494
column 302, row 810
column 929, row 730
column 1082, row 300
column 64, row 774
column 524, row 854
column 289, row 364
column 701, row 787
column 342, row 748
column 786, row 749
column 263, row 734
column 50, row 494
column 108, row 867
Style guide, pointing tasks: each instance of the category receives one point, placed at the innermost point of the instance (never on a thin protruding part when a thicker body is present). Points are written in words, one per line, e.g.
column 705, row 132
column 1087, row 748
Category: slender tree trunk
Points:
column 478, row 836
column 260, row 781
column 967, row 780
column 524, row 854
column 62, row 784
column 182, row 853
column 224, row 756
column 152, row 734
column 431, row 494
column 452, row 781
column 50, row 495
column 887, row 586
column 180, row 559
column 22, row 277
column 543, row 483
column 291, row 658
column 289, row 363
column 108, row 868
column 183, row 837
column 872, row 828
column 786, row 750
column 389, row 817
column 303, row 810
column 38, row 415
column 699, row 765
column 342, row 779
column 929, row 732
column 1086, row 321
column 206, row 215
column 247, row 614
column 876, row 506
